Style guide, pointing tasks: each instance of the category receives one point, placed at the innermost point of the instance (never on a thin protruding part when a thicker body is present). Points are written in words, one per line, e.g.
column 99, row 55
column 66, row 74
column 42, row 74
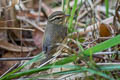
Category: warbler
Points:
column 55, row 32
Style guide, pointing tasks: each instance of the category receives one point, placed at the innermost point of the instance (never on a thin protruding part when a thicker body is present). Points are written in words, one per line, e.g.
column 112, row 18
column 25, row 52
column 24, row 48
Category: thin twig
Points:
column 89, row 9
column 107, row 53
column 13, row 28
column 30, row 22
column 108, row 64
column 16, row 59
column 40, row 2
column 92, row 27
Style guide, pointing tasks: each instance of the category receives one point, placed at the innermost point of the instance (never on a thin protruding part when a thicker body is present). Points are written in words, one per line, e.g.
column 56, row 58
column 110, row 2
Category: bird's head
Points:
column 57, row 17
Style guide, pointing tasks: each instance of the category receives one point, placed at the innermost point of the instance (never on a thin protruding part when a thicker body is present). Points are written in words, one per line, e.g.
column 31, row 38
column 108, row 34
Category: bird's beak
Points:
column 68, row 15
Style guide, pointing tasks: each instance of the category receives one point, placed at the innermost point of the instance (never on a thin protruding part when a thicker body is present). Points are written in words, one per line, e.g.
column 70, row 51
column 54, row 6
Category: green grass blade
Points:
column 70, row 25
column 63, row 5
column 28, row 72
column 110, row 67
column 77, row 69
column 107, row 7
column 99, row 47
column 102, row 46
column 39, row 57
column 68, row 6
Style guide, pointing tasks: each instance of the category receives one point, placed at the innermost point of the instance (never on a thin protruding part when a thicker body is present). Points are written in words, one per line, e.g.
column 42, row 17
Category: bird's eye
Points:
column 58, row 18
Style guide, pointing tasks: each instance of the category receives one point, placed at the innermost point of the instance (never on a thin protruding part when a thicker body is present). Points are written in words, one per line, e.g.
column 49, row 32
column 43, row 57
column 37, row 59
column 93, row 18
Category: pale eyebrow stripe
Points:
column 56, row 17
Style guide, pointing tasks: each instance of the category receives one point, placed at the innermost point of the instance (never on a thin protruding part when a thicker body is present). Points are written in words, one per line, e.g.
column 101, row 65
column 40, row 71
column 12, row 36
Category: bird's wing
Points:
column 53, row 35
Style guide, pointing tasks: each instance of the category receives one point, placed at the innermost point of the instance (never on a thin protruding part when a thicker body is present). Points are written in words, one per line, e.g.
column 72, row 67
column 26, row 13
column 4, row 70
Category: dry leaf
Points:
column 10, row 47
column 104, row 30
column 38, row 37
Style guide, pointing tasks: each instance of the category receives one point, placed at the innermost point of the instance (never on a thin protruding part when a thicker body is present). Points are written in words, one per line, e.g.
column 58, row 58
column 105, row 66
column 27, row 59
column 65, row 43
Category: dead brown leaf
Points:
column 104, row 30
column 10, row 47
column 37, row 37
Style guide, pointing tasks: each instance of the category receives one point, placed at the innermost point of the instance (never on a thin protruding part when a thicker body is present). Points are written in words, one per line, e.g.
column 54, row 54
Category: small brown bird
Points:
column 55, row 32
